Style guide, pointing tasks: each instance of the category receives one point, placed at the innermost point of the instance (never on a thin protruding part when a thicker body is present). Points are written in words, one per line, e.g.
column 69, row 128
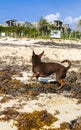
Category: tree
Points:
column 43, row 26
column 79, row 25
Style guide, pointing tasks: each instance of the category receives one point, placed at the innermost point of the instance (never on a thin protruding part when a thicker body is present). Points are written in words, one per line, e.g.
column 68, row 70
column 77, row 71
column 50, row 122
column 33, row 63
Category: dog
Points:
column 43, row 69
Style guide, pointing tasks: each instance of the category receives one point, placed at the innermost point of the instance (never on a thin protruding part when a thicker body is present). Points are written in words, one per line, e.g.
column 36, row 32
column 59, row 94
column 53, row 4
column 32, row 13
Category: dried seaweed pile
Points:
column 74, row 83
column 35, row 120
column 15, row 87
column 9, row 114
column 7, row 84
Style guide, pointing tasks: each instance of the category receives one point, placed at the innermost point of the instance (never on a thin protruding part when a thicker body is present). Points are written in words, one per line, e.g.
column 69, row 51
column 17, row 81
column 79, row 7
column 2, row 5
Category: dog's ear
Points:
column 33, row 52
column 40, row 55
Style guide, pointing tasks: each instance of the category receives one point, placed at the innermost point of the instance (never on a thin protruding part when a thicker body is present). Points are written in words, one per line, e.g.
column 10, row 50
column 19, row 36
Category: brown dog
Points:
column 43, row 69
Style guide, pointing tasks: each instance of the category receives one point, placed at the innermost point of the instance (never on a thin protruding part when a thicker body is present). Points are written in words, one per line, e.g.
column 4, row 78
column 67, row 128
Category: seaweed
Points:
column 9, row 114
column 35, row 120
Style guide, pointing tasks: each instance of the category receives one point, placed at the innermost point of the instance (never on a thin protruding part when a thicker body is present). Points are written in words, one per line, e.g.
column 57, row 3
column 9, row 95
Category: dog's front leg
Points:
column 34, row 75
column 31, row 77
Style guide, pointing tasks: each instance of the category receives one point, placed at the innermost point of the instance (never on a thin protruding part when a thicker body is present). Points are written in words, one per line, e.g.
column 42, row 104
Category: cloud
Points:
column 52, row 17
column 72, row 22
column 68, row 20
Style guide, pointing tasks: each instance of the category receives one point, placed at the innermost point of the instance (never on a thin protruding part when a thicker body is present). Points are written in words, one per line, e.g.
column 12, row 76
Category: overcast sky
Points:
column 69, row 11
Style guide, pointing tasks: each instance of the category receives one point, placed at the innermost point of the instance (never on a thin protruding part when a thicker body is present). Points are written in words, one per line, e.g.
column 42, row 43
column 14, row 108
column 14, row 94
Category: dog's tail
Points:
column 69, row 62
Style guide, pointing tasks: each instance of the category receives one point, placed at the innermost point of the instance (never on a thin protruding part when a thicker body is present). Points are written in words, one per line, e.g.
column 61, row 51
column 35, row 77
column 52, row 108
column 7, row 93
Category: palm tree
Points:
column 43, row 26
column 79, row 25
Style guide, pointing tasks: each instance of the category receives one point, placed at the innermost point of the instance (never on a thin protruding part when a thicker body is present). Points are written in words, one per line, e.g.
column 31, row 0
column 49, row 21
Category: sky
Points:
column 68, row 11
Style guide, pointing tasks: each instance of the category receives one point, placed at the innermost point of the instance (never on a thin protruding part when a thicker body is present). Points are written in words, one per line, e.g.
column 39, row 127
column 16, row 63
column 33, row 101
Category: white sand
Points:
column 7, row 125
column 25, row 52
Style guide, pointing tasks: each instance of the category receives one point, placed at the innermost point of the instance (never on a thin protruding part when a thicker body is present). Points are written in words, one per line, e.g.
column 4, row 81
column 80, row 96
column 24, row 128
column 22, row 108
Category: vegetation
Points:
column 44, row 27
column 79, row 24
column 43, row 30
column 16, row 31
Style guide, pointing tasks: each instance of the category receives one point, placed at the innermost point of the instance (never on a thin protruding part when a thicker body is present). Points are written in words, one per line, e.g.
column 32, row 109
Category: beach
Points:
column 15, row 55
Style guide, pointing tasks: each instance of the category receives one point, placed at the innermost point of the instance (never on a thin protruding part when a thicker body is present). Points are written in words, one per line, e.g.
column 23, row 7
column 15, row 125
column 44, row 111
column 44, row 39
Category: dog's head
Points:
column 36, row 59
